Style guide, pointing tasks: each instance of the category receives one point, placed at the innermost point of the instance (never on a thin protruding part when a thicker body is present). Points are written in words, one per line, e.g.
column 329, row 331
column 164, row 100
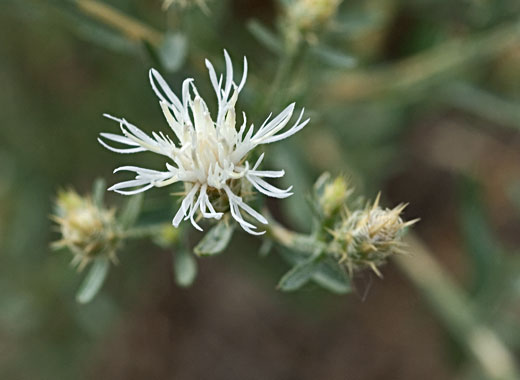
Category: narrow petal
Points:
column 294, row 129
column 186, row 202
column 170, row 98
column 119, row 150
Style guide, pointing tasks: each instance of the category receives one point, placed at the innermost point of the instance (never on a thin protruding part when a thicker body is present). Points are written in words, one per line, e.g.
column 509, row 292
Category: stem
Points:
column 448, row 300
column 293, row 240
column 420, row 69
column 284, row 73
column 454, row 308
column 142, row 232
column 133, row 29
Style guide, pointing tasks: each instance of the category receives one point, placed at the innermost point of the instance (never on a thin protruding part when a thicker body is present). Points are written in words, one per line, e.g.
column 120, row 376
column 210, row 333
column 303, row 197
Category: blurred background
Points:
column 417, row 98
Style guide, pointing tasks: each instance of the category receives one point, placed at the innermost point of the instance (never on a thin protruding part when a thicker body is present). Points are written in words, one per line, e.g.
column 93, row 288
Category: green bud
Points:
column 334, row 196
column 304, row 18
column 87, row 230
column 366, row 238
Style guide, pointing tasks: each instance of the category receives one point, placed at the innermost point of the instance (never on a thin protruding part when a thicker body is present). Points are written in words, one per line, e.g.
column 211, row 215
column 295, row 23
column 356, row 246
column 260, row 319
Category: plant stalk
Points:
column 454, row 308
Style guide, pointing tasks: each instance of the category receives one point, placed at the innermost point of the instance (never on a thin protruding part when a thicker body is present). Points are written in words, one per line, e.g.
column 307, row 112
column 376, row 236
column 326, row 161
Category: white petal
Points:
column 268, row 189
column 170, row 98
column 119, row 150
column 294, row 129
column 229, row 74
column 186, row 202
column 267, row 173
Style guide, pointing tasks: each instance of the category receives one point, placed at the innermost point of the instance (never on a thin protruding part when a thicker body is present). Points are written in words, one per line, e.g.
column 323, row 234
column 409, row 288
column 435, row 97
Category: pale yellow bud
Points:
column 306, row 17
column 366, row 238
column 86, row 229
column 334, row 195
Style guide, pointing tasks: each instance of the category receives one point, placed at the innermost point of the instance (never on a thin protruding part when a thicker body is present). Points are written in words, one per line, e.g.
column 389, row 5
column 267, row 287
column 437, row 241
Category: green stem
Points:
column 422, row 69
column 132, row 28
column 454, row 308
column 449, row 301
column 143, row 232
column 284, row 74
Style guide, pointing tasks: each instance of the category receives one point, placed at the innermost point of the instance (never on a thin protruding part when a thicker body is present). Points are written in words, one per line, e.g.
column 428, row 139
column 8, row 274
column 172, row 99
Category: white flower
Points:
column 209, row 155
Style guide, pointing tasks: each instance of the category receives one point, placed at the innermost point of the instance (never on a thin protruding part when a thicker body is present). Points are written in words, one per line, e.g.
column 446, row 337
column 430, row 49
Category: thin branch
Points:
column 454, row 308
column 133, row 29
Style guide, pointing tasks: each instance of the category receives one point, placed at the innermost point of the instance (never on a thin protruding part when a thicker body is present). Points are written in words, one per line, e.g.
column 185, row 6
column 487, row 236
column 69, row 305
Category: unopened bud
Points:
column 366, row 238
column 331, row 193
column 306, row 17
column 87, row 230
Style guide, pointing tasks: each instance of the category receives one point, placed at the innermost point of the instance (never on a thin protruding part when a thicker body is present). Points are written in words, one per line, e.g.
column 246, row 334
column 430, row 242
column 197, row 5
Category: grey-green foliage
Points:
column 94, row 280
column 215, row 240
column 173, row 51
column 184, row 267
column 300, row 274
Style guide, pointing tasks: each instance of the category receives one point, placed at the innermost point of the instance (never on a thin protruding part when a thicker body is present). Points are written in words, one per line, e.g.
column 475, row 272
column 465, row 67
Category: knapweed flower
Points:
column 87, row 230
column 366, row 238
column 209, row 155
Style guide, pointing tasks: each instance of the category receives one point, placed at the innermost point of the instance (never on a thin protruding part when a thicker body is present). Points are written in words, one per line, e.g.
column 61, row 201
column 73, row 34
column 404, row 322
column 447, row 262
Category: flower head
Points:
column 86, row 229
column 367, row 237
column 209, row 155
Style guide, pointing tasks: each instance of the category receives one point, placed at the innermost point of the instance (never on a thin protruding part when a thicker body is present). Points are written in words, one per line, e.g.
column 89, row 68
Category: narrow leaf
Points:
column 153, row 55
column 172, row 51
column 299, row 275
column 266, row 247
column 98, row 191
column 216, row 240
column 93, row 281
column 328, row 274
column 331, row 277
column 334, row 58
column 267, row 38
column 184, row 267
column 131, row 211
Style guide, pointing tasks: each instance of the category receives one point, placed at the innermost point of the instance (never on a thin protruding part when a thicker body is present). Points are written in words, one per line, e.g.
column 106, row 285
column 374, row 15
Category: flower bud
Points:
column 166, row 236
column 331, row 194
column 303, row 18
column 366, row 238
column 87, row 230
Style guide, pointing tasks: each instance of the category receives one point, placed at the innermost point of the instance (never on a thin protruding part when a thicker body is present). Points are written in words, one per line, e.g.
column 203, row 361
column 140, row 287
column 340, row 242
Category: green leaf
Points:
column 184, row 267
column 131, row 211
column 267, row 38
column 94, row 280
column 331, row 277
column 98, row 191
column 328, row 274
column 103, row 37
column 173, row 51
column 298, row 176
column 299, row 275
column 334, row 58
column 154, row 55
column 266, row 247
column 216, row 240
